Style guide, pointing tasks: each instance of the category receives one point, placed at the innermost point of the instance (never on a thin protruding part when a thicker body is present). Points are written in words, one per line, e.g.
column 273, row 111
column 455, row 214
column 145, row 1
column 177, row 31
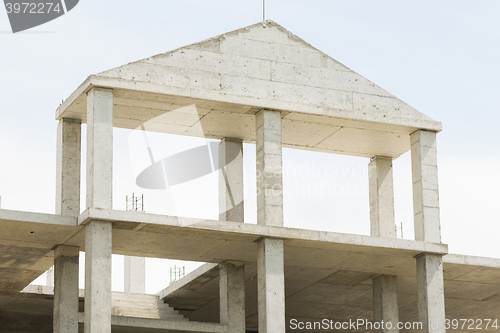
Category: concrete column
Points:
column 99, row 148
column 385, row 302
column 271, row 285
column 64, row 276
column 232, row 296
column 430, row 290
column 66, row 289
column 382, row 221
column 49, row 278
column 381, row 191
column 135, row 275
column 68, row 167
column 270, row 257
column 425, row 186
column 430, row 286
column 231, row 208
column 98, row 277
column 269, row 168
column 231, row 180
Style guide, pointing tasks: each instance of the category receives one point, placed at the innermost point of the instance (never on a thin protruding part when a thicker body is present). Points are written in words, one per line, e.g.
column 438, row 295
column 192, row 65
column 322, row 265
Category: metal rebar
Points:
column 264, row 11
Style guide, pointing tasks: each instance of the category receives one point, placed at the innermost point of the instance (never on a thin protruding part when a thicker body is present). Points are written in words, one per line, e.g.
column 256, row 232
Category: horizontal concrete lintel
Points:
column 471, row 260
column 20, row 216
column 115, row 83
column 171, row 326
column 34, row 290
column 355, row 243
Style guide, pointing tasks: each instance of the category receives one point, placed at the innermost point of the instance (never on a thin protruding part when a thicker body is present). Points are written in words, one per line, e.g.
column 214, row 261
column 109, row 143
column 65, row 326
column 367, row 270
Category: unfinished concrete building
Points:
column 262, row 85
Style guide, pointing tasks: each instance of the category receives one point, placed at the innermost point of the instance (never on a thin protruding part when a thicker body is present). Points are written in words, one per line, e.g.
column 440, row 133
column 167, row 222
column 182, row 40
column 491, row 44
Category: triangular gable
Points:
column 267, row 67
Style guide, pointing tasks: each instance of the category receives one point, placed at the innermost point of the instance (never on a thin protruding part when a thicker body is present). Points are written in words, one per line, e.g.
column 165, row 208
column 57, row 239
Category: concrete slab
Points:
column 194, row 239
column 27, row 241
column 318, row 293
column 317, row 263
column 26, row 245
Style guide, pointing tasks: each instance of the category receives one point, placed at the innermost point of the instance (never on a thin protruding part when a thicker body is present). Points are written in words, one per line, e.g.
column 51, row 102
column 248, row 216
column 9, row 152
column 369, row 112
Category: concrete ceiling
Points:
column 214, row 88
column 27, row 241
column 328, row 275
column 344, row 291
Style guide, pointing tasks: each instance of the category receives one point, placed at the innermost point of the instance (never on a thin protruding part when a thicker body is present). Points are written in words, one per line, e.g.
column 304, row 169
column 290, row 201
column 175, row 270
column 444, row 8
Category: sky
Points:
column 440, row 57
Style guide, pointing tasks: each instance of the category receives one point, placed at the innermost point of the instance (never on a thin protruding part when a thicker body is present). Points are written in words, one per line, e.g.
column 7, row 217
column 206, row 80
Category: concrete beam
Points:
column 98, row 277
column 430, row 291
column 271, row 285
column 385, row 302
column 232, row 296
column 269, row 168
column 68, row 162
column 66, row 260
column 425, row 186
column 231, row 193
column 100, row 148
column 381, row 192
column 135, row 275
column 38, row 218
column 212, row 233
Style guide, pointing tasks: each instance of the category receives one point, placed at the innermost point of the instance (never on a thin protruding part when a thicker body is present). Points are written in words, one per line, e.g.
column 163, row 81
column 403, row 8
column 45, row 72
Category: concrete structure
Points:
column 261, row 85
column 382, row 223
column 134, row 275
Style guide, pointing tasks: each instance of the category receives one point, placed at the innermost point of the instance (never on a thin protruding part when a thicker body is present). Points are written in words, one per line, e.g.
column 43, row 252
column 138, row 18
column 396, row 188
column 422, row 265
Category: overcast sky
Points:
column 441, row 57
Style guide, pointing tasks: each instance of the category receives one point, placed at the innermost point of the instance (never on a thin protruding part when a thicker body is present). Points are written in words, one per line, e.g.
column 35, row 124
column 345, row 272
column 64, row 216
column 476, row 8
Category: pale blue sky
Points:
column 441, row 57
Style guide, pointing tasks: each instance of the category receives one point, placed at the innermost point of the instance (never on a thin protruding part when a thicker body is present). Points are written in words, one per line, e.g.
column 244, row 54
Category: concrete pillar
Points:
column 430, row 286
column 425, row 186
column 382, row 221
column 381, row 191
column 271, row 286
column 430, row 291
column 99, row 148
column 49, row 278
column 99, row 195
column 98, row 277
column 64, row 276
column 269, row 168
column 231, row 208
column 135, row 275
column 66, row 289
column 231, row 180
column 68, row 167
column 232, row 296
column 385, row 302
column 270, row 257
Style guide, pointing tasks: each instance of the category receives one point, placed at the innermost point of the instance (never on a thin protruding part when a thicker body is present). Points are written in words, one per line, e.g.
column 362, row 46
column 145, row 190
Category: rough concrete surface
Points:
column 325, row 106
column 259, row 84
